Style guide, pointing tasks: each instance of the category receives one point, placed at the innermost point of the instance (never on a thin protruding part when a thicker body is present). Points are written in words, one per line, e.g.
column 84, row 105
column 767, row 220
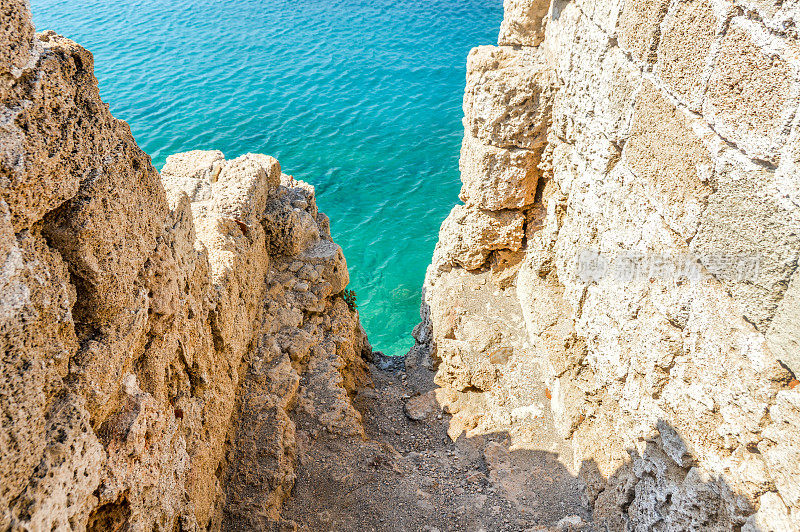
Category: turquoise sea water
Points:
column 360, row 98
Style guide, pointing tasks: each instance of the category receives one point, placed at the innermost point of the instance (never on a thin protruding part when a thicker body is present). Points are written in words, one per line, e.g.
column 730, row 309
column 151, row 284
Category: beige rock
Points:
column 523, row 23
column 475, row 233
column 62, row 487
column 602, row 14
column 780, row 17
column 498, row 178
column 508, row 96
column 751, row 250
column 780, row 450
column 290, row 230
column 38, row 339
column 244, row 184
column 639, row 28
column 772, row 515
column 667, row 155
column 688, row 35
column 422, row 406
column 17, row 43
column 167, row 360
column 667, row 363
column 330, row 257
column 598, row 88
column 140, row 326
column 783, row 335
column 193, row 173
column 753, row 90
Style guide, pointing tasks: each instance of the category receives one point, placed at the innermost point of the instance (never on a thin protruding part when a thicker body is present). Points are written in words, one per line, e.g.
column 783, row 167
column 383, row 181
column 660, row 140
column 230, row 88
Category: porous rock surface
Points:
column 177, row 353
column 625, row 264
column 611, row 318
column 158, row 332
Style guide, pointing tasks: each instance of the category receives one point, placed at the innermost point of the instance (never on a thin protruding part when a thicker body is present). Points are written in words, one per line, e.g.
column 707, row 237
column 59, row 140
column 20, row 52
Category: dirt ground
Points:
column 409, row 476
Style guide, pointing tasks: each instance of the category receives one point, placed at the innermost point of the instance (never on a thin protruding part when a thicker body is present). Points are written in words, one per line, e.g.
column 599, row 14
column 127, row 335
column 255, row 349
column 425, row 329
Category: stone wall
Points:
column 158, row 332
column 625, row 261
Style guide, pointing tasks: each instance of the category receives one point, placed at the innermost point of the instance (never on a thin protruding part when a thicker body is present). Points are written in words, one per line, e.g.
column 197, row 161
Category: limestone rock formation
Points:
column 158, row 332
column 647, row 152
column 613, row 315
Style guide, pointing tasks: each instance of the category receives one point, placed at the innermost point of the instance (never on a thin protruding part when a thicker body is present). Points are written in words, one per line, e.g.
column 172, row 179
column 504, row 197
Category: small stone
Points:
column 301, row 287
column 420, row 407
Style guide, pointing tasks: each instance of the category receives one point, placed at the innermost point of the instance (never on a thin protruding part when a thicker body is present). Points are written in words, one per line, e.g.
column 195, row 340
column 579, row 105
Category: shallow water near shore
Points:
column 360, row 98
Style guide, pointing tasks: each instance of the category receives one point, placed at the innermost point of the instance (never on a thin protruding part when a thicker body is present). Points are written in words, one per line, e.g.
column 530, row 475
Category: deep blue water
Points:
column 361, row 98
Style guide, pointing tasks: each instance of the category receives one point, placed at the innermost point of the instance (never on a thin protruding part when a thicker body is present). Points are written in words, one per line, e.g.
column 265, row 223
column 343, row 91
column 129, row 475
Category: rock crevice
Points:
column 609, row 335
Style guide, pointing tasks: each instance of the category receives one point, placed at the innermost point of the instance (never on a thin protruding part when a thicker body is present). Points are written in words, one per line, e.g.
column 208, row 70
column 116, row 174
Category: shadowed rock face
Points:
column 152, row 329
column 649, row 152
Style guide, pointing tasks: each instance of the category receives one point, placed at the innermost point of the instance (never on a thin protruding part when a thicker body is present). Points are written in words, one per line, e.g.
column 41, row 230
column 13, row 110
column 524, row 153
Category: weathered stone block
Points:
column 752, row 92
column 783, row 336
column 16, row 42
column 244, row 185
column 781, row 450
column 523, row 22
column 595, row 102
column 674, row 164
column 104, row 201
column 37, row 339
column 684, row 54
column 329, row 255
column 508, row 98
column 61, row 490
column 748, row 236
column 192, row 172
column 604, row 14
column 195, row 164
column 498, row 178
column 780, row 16
column 468, row 235
column 789, row 168
column 290, row 230
column 36, row 176
column 639, row 30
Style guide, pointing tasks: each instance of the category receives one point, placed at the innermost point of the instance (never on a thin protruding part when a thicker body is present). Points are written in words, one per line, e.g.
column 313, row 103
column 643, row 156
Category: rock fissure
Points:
column 595, row 351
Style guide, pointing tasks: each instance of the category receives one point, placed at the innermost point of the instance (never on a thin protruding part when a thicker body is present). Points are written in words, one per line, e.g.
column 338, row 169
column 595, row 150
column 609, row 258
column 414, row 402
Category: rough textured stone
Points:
column 181, row 359
column 660, row 352
column 523, row 23
column 17, row 43
column 498, row 178
column 154, row 340
column 471, row 234
column 678, row 181
column 191, row 172
column 639, row 28
column 753, row 90
column 685, row 52
column 783, row 335
column 781, row 17
column 506, row 102
column 763, row 236
column 244, row 184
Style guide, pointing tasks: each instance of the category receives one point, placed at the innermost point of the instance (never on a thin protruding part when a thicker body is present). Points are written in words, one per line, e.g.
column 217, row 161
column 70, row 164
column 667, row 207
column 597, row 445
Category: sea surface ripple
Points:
column 360, row 98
